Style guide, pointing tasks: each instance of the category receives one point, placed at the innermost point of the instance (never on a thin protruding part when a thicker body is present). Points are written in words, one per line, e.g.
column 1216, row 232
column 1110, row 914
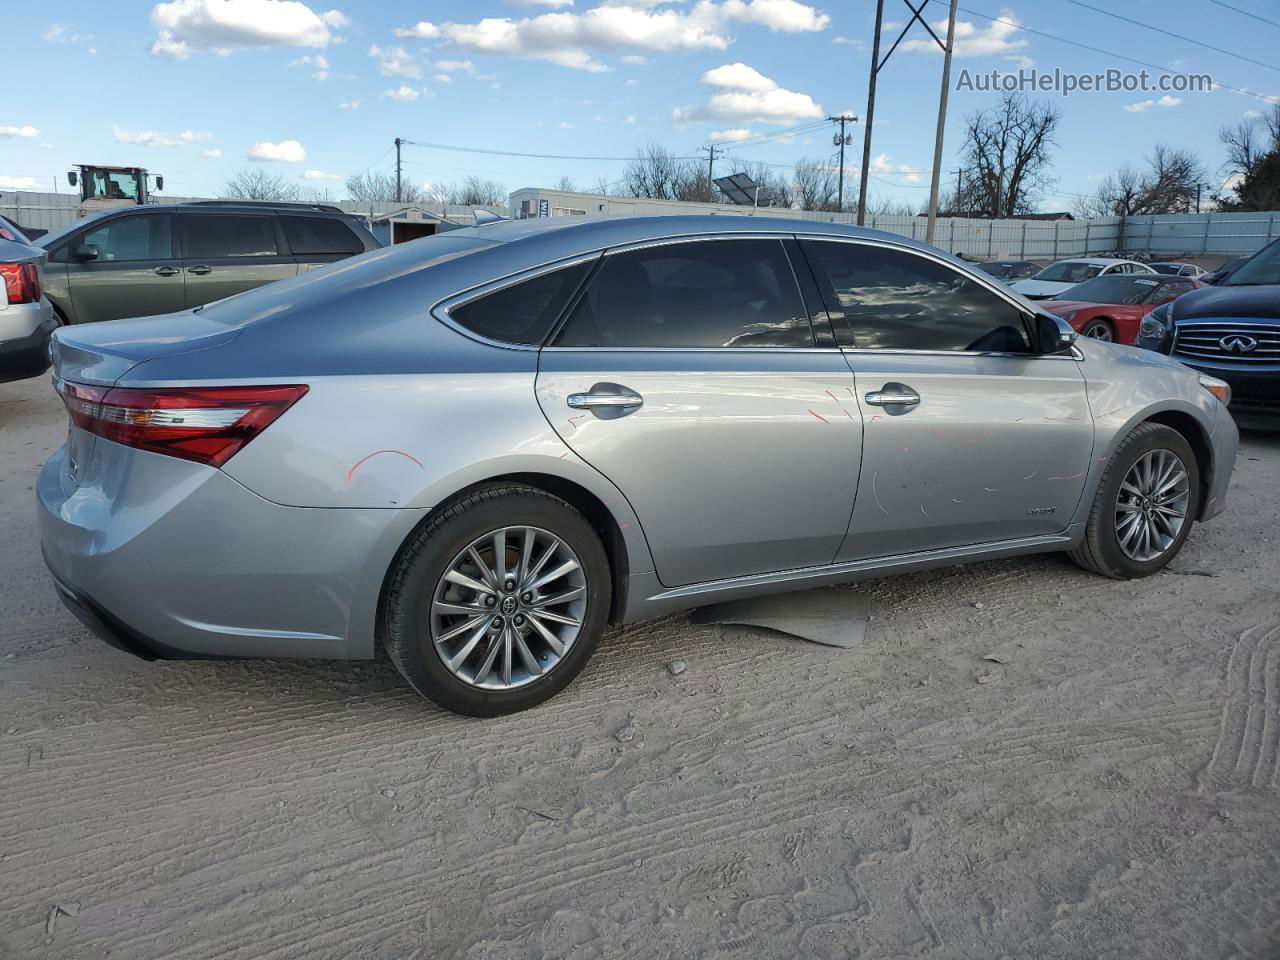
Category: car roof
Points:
column 1097, row 261
column 570, row 234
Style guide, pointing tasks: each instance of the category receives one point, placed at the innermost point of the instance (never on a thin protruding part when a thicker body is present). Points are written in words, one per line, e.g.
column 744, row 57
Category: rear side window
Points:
column 895, row 300
column 524, row 312
column 208, row 236
column 146, row 237
column 708, row 293
column 317, row 236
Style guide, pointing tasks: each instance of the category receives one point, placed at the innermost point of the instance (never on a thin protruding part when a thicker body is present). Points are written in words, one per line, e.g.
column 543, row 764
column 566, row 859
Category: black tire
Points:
column 425, row 559
column 1100, row 551
column 1103, row 324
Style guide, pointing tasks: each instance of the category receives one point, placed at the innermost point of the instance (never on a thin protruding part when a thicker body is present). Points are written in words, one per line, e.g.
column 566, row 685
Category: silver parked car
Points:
column 26, row 316
column 480, row 448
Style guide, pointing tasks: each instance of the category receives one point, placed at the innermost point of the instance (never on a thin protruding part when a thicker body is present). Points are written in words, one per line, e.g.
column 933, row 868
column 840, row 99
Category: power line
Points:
column 1170, row 33
column 1106, row 53
column 514, row 153
column 1246, row 13
column 772, row 137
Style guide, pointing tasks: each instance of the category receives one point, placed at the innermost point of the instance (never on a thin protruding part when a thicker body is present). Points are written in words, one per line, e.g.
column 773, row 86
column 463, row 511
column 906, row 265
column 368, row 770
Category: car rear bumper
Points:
column 25, row 329
column 170, row 559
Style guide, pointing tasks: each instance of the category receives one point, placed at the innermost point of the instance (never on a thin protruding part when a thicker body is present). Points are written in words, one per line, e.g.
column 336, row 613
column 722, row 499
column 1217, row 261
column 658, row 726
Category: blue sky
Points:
column 199, row 89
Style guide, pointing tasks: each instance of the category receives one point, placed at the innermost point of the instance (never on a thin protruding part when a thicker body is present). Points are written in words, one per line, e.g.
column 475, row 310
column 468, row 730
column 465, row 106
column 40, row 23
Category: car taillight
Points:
column 21, row 282
column 205, row 424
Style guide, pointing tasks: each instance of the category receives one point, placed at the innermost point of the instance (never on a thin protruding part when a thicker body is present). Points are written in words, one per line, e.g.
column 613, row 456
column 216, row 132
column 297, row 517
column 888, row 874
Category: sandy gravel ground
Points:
column 1111, row 790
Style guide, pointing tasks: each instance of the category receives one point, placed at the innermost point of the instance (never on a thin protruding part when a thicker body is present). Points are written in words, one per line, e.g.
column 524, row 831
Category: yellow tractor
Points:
column 104, row 187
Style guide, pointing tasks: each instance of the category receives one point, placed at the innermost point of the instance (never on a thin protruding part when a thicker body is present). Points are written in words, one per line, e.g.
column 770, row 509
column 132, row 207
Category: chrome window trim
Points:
column 990, row 283
column 440, row 310
column 732, row 351
column 780, row 236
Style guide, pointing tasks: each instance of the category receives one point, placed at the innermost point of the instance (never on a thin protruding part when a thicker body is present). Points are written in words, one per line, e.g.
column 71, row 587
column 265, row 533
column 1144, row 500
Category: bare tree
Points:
column 381, row 187
column 888, row 207
column 475, row 191
column 605, row 187
column 1170, row 184
column 565, row 185
column 656, row 173
column 774, row 190
column 259, row 184
column 1253, row 161
column 1006, row 156
column 815, row 185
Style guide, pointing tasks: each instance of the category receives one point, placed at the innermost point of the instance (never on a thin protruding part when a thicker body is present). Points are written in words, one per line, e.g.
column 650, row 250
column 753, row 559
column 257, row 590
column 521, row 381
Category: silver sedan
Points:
column 481, row 448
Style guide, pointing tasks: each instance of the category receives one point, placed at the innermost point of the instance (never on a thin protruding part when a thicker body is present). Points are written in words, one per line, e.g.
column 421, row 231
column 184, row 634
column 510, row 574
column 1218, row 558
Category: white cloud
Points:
column 58, row 33
column 635, row 59
column 286, row 151
column 1142, row 106
column 565, row 125
column 320, row 175
column 213, row 153
column 456, row 66
column 402, row 92
column 732, row 135
column 26, row 131
column 396, row 62
column 1001, row 36
column 1253, row 114
column 746, row 95
column 422, row 30
column 544, row 3
column 319, row 61
column 442, row 78
column 1168, row 101
column 882, row 164
column 153, row 138
column 349, row 105
column 183, row 26
column 19, row 183
column 739, row 76
column 569, row 39
column 630, row 118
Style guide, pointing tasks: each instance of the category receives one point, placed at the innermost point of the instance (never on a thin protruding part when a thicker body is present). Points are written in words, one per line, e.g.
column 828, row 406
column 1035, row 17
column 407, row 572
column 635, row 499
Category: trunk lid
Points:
column 101, row 353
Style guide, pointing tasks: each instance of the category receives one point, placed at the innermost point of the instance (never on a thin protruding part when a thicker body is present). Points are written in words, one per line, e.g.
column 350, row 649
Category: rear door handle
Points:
column 166, row 271
column 200, row 270
column 893, row 395
column 606, row 398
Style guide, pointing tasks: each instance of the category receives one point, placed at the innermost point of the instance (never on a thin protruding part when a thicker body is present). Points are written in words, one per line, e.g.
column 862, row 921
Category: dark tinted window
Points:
column 1263, row 269
column 1173, row 288
column 708, row 293
column 318, row 236
column 894, row 300
column 524, row 312
column 141, row 237
column 1113, row 288
column 228, row 235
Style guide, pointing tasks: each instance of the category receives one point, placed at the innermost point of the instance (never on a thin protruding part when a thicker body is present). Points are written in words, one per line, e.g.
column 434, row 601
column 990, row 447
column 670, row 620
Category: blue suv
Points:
column 1230, row 331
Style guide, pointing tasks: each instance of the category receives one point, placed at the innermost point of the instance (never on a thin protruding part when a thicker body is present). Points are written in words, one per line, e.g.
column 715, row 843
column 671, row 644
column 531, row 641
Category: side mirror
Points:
column 85, row 251
column 1053, row 334
column 159, row 183
column 71, row 177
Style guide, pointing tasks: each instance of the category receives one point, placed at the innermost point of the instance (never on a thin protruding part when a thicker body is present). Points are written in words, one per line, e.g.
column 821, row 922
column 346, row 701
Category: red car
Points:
column 1112, row 307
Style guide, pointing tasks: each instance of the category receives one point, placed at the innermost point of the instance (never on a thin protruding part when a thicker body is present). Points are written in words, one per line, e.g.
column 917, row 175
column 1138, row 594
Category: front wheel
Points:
column 497, row 603
column 1146, row 502
column 1100, row 330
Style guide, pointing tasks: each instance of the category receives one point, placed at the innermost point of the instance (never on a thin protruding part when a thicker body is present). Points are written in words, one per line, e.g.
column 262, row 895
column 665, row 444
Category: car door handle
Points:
column 606, row 400
column 200, row 270
column 893, row 395
column 166, row 271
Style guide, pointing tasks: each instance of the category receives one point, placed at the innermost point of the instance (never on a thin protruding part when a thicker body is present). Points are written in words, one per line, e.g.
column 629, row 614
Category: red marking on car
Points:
column 819, row 416
column 359, row 463
column 831, row 395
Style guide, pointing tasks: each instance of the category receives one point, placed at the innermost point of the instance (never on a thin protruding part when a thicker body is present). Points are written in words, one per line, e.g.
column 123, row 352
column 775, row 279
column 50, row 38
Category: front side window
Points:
column 1068, row 271
column 144, row 237
column 320, row 236
column 706, row 293
column 209, row 236
column 1263, row 269
column 896, row 300
column 524, row 312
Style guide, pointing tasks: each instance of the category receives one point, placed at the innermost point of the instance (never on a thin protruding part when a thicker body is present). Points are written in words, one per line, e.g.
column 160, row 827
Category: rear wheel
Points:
column 1100, row 329
column 497, row 603
column 1145, row 505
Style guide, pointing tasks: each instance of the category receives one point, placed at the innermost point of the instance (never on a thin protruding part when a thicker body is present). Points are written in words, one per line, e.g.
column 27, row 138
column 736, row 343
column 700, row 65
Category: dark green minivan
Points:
column 140, row 261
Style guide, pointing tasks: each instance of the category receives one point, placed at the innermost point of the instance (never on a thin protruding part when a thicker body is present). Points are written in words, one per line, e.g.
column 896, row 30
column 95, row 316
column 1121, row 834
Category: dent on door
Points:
column 734, row 464
column 995, row 448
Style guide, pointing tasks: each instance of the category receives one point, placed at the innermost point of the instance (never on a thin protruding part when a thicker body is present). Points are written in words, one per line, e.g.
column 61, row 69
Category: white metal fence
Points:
column 1208, row 234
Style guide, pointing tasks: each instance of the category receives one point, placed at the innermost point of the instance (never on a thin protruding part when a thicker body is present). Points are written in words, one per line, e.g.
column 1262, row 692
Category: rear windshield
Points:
column 1112, row 289
column 1068, row 271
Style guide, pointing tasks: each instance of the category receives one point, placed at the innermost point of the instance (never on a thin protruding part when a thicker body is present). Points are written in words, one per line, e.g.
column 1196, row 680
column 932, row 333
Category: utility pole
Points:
column 711, row 170
column 871, row 113
column 398, row 142
column 942, row 125
column 841, row 139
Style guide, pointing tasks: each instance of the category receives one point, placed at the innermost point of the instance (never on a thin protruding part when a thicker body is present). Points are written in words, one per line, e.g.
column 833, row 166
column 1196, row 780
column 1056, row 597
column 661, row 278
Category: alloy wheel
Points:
column 1151, row 508
column 1099, row 331
column 508, row 608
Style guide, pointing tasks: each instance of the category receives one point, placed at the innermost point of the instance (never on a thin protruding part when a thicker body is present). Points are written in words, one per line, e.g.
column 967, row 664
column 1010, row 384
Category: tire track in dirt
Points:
column 1247, row 751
